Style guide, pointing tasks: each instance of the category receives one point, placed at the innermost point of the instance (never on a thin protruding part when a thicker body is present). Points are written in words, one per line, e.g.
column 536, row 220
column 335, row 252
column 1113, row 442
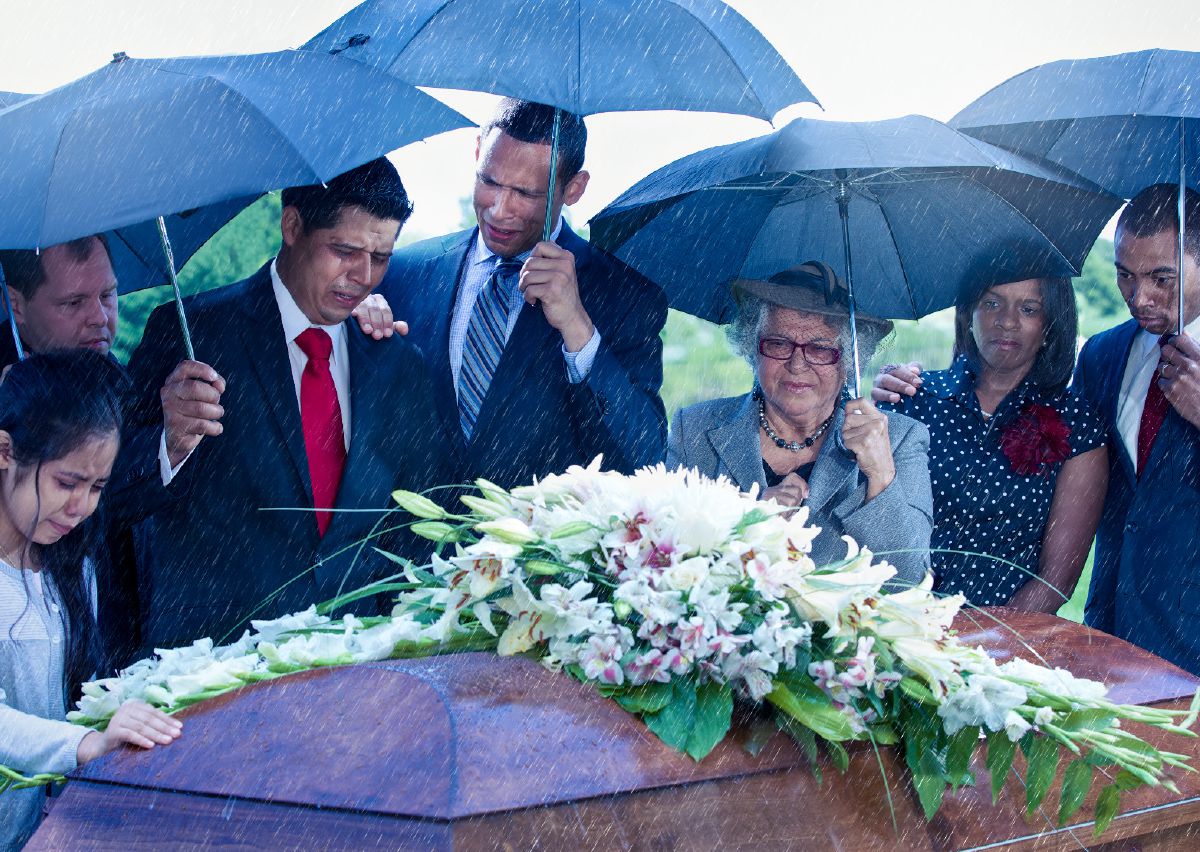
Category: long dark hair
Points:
column 1051, row 370
column 50, row 405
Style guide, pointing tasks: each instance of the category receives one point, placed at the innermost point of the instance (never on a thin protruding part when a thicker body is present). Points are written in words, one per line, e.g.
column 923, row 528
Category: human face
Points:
column 62, row 495
column 1009, row 326
column 511, row 179
column 329, row 271
column 796, row 392
column 76, row 305
column 1148, row 277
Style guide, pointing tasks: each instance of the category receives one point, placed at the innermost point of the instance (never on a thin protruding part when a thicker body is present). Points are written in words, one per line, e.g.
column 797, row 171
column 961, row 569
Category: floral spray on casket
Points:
column 675, row 595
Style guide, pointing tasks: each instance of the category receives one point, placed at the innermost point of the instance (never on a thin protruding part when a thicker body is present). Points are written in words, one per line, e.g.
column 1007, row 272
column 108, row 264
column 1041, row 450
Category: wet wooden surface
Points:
column 474, row 752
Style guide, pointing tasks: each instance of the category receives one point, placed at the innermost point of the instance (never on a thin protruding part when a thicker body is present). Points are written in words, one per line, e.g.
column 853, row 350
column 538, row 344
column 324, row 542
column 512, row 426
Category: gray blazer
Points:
column 721, row 437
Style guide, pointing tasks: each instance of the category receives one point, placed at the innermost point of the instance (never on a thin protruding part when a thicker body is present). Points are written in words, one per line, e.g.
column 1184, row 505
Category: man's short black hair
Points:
column 1156, row 209
column 23, row 267
column 374, row 186
column 1051, row 370
column 527, row 121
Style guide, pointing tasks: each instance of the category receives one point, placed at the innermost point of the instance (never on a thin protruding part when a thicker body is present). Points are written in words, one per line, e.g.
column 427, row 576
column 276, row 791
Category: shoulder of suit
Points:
column 1110, row 337
column 430, row 249
column 900, row 425
column 217, row 299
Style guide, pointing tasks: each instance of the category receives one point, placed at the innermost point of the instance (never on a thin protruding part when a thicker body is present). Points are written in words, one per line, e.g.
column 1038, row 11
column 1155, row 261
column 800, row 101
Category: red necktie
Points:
column 1153, row 414
column 321, row 417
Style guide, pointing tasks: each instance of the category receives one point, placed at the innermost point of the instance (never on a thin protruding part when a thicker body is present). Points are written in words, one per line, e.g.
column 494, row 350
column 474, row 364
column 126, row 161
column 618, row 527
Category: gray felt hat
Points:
column 812, row 288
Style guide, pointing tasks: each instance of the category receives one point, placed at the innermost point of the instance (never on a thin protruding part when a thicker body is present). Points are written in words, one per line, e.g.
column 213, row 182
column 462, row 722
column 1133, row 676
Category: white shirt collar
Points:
column 294, row 320
column 1146, row 343
column 483, row 253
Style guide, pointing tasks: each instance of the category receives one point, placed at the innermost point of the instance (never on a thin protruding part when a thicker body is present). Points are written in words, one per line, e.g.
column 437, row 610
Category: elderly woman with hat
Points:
column 800, row 438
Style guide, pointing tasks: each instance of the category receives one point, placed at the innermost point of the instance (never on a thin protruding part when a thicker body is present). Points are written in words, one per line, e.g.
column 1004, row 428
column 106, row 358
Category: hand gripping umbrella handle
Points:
column 170, row 255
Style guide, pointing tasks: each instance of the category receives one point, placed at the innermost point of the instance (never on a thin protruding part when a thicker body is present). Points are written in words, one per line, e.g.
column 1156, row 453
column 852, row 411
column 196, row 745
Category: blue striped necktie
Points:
column 484, row 343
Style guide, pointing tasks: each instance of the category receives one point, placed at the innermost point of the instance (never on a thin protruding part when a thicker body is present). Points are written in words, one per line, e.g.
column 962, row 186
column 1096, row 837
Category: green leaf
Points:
column 839, row 756
column 673, row 723
column 1041, row 758
column 1079, row 720
column 1000, row 753
column 803, row 737
column 1077, row 780
column 714, row 710
column 754, row 516
column 1107, row 805
column 649, row 698
column 930, row 789
column 761, row 731
column 884, row 734
column 917, row 691
column 958, row 756
column 807, row 704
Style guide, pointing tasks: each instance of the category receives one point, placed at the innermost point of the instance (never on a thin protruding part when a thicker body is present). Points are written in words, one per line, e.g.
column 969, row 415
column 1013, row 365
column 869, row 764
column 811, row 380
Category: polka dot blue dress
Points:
column 988, row 519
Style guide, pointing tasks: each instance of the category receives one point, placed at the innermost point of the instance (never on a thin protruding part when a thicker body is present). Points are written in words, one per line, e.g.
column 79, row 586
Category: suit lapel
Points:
column 1114, row 376
column 735, row 443
column 266, row 352
column 833, row 468
column 444, row 276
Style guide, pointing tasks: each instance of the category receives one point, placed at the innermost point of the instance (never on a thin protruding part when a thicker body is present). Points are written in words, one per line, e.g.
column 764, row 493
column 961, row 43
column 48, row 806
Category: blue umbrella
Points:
column 583, row 56
column 141, row 138
column 923, row 207
column 7, row 99
column 1124, row 122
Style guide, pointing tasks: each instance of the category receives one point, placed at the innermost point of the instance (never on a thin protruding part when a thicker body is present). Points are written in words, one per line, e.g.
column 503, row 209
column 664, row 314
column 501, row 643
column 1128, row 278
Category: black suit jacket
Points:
column 231, row 538
column 534, row 422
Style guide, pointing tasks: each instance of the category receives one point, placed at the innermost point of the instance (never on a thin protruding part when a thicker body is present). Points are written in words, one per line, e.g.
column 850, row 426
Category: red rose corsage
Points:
column 1036, row 440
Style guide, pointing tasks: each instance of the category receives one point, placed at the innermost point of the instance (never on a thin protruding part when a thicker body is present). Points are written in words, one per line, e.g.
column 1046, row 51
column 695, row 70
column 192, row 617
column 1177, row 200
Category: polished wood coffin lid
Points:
column 449, row 737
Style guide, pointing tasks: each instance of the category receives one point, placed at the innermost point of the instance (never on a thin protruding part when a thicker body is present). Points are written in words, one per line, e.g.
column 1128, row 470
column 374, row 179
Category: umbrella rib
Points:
column 747, row 88
column 899, row 259
column 1040, row 232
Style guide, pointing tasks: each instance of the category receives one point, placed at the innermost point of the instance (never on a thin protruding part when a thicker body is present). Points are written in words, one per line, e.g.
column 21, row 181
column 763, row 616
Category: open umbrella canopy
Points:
column 1116, row 120
column 7, row 99
column 926, row 210
column 583, row 56
column 142, row 138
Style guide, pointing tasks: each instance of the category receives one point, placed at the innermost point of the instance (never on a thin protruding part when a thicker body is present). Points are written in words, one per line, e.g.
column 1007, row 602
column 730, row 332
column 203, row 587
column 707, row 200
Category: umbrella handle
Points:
column 548, row 227
column 170, row 255
column 12, row 320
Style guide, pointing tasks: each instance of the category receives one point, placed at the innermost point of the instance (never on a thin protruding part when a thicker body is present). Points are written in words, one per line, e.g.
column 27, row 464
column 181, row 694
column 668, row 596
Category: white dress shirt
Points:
column 1139, row 370
column 476, row 272
column 294, row 322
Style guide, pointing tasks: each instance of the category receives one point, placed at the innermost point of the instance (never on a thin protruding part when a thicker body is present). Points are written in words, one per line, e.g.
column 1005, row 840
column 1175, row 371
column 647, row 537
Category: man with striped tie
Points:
column 1145, row 380
column 286, row 453
column 544, row 354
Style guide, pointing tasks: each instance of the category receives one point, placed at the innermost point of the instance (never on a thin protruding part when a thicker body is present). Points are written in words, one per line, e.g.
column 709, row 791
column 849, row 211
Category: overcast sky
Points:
column 864, row 59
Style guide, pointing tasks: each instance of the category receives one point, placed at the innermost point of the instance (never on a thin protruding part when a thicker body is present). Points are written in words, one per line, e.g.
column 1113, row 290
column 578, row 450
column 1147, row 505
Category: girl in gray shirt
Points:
column 59, row 427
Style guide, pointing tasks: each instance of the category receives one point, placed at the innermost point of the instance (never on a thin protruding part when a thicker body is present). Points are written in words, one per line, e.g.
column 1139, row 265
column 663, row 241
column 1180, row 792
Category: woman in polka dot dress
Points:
column 1017, row 461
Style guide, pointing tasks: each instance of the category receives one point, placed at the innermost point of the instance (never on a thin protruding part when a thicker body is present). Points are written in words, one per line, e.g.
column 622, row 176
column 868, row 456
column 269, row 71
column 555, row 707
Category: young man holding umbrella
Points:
column 1145, row 380
column 297, row 418
column 544, row 354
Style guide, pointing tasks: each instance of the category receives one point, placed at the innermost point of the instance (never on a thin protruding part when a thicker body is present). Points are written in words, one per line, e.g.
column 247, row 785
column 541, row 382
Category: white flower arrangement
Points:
column 674, row 594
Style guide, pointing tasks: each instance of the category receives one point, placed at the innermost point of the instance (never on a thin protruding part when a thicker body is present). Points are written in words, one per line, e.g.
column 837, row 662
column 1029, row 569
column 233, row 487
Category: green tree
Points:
column 233, row 253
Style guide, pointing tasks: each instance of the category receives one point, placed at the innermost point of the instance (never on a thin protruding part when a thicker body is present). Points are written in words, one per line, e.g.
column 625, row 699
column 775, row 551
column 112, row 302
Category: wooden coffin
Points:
column 478, row 752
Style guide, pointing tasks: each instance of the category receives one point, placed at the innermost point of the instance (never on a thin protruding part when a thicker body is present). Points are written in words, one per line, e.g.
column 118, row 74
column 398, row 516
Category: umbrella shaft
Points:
column 843, row 200
column 170, row 255
column 548, row 228
column 1181, row 214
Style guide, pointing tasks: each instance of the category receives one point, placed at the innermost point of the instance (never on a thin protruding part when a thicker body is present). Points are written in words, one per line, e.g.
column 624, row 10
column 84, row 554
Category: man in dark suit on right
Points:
column 543, row 354
column 1146, row 381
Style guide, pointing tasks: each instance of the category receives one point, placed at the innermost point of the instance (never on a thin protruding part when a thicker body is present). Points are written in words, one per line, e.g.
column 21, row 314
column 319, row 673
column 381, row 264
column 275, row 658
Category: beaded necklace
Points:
column 794, row 446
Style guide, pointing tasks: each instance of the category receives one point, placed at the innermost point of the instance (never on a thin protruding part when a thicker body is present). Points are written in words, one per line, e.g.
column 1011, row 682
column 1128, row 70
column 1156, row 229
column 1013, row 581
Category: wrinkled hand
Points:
column 136, row 723
column 191, row 407
column 548, row 278
column 791, row 492
column 1179, row 377
column 896, row 380
column 865, row 433
column 374, row 317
